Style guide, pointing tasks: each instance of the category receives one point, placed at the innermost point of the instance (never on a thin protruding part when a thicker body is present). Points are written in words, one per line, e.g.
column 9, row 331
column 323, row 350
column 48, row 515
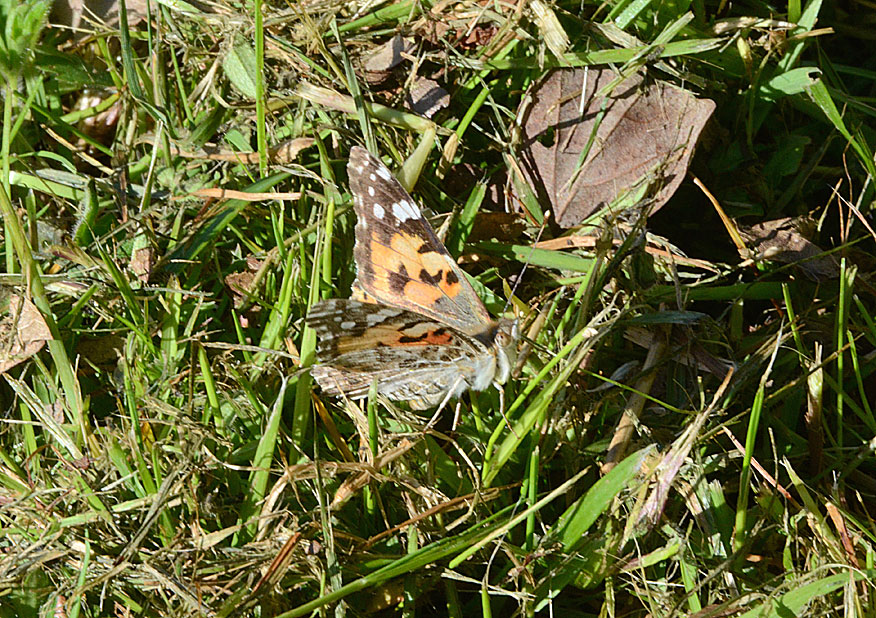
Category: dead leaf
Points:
column 84, row 17
column 550, row 28
column 285, row 152
column 142, row 263
column 23, row 332
column 241, row 281
column 476, row 37
column 502, row 226
column 591, row 242
column 646, row 135
column 426, row 97
column 784, row 240
column 379, row 63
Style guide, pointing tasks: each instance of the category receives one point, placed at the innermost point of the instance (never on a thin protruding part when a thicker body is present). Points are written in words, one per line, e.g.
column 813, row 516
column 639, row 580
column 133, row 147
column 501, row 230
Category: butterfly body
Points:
column 414, row 324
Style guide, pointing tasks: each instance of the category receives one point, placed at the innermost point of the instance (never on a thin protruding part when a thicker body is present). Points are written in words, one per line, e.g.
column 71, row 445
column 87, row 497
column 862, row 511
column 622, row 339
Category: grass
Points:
column 166, row 454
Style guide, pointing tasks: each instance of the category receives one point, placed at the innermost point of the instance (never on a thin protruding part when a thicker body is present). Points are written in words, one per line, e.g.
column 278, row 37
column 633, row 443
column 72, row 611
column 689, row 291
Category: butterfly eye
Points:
column 507, row 333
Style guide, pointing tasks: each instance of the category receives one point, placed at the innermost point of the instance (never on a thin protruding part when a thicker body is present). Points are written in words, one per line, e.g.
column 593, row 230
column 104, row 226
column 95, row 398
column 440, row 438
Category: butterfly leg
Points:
column 502, row 407
column 450, row 391
column 456, row 415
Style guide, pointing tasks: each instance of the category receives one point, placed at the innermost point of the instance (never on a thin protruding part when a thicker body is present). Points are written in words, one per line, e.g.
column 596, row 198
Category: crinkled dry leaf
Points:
column 240, row 282
column 784, row 240
column 426, row 97
column 380, row 62
column 23, row 332
column 550, row 28
column 503, row 226
column 285, row 152
column 389, row 55
column 87, row 16
column 142, row 263
column 646, row 135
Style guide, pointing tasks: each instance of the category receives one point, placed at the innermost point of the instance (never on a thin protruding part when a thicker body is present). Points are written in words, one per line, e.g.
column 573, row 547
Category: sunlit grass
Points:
column 167, row 453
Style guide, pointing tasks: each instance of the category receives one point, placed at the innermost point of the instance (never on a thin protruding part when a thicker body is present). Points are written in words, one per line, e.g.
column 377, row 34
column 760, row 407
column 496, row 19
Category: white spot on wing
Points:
column 372, row 177
column 384, row 173
column 404, row 210
column 379, row 211
column 348, row 325
column 382, row 315
column 371, row 191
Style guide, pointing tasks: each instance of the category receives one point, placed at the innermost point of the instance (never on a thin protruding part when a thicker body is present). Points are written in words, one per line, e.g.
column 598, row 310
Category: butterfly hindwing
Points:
column 411, row 357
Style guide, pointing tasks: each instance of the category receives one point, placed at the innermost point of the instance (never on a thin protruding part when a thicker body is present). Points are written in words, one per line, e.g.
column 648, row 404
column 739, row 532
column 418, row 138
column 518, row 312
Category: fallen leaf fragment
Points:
column 426, row 97
column 84, row 17
column 380, row 62
column 142, row 263
column 784, row 240
column 23, row 332
column 284, row 152
column 241, row 281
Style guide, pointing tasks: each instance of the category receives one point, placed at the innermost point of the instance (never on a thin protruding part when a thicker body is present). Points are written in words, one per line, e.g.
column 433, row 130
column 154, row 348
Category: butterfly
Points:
column 414, row 322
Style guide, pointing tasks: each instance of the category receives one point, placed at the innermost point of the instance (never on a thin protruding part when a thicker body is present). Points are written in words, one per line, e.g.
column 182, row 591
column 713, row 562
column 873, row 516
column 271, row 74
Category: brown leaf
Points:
column 380, row 62
column 142, row 263
column 502, row 226
column 426, row 97
column 647, row 135
column 285, row 152
column 84, row 16
column 241, row 281
column 784, row 240
column 23, row 332
column 479, row 36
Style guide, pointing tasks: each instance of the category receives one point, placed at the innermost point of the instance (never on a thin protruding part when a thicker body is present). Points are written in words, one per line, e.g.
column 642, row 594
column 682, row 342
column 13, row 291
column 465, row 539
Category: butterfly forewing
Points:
column 399, row 258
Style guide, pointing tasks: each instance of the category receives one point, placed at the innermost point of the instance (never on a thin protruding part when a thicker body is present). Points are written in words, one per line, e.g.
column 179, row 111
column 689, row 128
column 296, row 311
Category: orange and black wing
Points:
column 399, row 259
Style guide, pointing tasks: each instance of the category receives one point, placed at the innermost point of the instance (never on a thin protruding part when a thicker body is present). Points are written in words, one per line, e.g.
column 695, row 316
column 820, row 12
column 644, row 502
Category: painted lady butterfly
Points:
column 414, row 322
